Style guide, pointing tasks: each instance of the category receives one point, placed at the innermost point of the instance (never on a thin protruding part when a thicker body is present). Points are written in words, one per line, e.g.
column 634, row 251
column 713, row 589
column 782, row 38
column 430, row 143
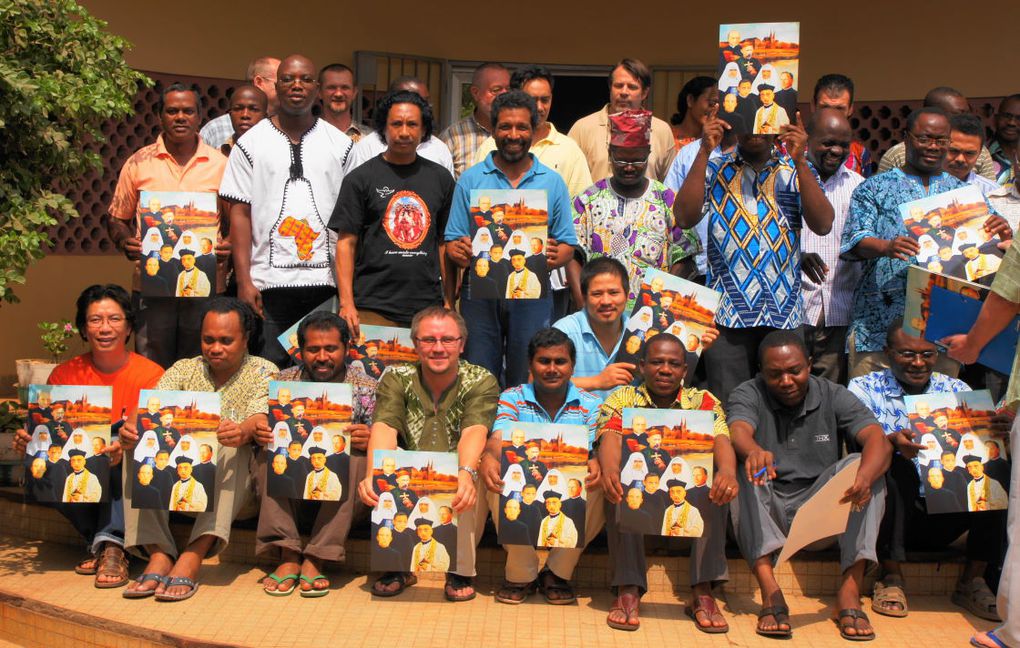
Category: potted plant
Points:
column 54, row 336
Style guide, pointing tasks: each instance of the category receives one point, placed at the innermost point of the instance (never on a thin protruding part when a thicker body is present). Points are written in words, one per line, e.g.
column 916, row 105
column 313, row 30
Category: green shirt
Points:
column 1007, row 286
column 404, row 403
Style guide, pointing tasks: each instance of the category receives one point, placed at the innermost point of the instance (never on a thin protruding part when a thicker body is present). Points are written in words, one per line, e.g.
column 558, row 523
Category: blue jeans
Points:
column 101, row 522
column 498, row 334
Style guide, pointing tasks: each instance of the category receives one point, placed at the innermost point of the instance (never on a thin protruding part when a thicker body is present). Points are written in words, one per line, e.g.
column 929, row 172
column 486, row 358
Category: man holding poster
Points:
column 663, row 366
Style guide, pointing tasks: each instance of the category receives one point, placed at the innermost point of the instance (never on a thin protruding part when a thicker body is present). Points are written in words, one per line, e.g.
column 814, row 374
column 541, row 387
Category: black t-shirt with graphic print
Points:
column 398, row 213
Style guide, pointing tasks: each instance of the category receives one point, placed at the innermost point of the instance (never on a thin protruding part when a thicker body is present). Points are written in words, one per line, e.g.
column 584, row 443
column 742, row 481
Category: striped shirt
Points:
column 519, row 405
column 831, row 303
column 463, row 138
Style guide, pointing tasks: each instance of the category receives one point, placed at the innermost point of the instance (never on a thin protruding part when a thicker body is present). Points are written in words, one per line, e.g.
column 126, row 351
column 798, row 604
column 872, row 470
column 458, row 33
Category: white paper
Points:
column 822, row 516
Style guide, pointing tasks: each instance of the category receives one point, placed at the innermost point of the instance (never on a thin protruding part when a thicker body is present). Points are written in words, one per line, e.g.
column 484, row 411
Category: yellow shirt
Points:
column 592, row 134
column 556, row 151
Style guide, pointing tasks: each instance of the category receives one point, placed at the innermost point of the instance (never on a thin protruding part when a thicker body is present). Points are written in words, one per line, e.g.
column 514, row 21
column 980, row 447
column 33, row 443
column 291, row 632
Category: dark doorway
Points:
column 576, row 96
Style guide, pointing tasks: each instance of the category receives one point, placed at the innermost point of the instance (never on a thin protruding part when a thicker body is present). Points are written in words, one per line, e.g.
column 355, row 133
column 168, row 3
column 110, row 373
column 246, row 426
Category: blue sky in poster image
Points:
column 444, row 462
column 208, row 402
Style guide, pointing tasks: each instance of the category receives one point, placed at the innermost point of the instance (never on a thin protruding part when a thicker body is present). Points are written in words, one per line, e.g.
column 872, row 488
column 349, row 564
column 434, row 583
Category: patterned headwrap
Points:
column 630, row 128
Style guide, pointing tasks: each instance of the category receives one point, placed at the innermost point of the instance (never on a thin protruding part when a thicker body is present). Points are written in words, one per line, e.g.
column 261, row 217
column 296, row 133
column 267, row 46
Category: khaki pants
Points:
column 470, row 525
column 278, row 516
column 522, row 561
column 233, row 492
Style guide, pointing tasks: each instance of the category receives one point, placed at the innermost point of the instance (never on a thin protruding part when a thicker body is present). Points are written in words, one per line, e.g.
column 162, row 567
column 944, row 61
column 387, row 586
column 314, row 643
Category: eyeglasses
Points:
column 927, row 140
column 913, row 355
column 431, row 341
column 1008, row 117
column 97, row 321
column 630, row 163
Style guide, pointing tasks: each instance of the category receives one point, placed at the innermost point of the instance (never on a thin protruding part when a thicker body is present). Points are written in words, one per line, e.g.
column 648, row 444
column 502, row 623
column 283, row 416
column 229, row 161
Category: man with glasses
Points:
column 282, row 181
column 439, row 404
column 465, row 136
column 1004, row 143
column 875, row 236
column 906, row 523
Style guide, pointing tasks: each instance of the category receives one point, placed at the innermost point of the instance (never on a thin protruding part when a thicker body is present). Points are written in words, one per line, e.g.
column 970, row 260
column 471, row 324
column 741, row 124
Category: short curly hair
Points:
column 382, row 112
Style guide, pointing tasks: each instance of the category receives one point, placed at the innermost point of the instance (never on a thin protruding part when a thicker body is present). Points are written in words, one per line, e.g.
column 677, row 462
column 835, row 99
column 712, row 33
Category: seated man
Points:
column 242, row 381
column 772, row 418
column 663, row 366
column 906, row 522
column 105, row 321
column 323, row 339
column 439, row 404
column 549, row 398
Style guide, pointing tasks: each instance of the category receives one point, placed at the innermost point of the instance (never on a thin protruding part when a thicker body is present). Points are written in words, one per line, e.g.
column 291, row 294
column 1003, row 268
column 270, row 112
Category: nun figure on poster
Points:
column 554, row 481
column 635, row 469
column 317, row 439
column 932, row 453
column 730, row 77
column 513, row 480
column 186, row 447
column 40, row 441
column 384, row 511
column 79, row 440
column 929, row 248
column 766, row 76
column 425, row 508
column 188, row 241
column 281, row 437
column 640, row 322
column 482, row 242
column 147, row 446
column 971, row 444
column 152, row 241
column 678, row 469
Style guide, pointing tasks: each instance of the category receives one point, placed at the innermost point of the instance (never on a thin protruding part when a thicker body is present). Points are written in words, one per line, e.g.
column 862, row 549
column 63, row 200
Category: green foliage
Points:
column 61, row 76
column 55, row 336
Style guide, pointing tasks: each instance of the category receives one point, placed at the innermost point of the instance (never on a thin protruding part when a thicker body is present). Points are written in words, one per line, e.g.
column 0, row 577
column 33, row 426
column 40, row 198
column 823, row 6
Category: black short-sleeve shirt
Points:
column 804, row 440
column 398, row 213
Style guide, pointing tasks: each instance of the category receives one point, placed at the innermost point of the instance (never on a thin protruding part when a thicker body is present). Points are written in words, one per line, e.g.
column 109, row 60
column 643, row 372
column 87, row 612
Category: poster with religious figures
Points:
column 414, row 526
column 963, row 466
column 65, row 460
column 309, row 457
column 668, row 304
column 544, row 466
column 173, row 467
column 938, row 306
column 949, row 229
column 509, row 232
column 178, row 231
column 377, row 347
column 289, row 338
column 759, row 75
column 666, row 471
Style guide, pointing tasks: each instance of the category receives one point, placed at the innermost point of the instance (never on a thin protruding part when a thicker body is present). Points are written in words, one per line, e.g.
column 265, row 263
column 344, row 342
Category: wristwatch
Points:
column 469, row 470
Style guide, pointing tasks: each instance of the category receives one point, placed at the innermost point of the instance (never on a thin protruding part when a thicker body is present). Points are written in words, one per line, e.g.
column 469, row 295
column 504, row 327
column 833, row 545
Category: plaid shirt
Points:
column 217, row 131
column 463, row 138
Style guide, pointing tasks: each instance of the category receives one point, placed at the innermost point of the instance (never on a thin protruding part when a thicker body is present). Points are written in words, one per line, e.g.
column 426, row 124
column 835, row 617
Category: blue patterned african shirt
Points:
column 874, row 212
column 753, row 241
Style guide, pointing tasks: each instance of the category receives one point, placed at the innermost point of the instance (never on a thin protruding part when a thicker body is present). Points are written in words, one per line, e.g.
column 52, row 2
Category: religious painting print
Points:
column 173, row 467
column 178, row 230
column 759, row 76
column 666, row 471
column 509, row 232
column 938, row 306
column 414, row 526
column 377, row 347
column 309, row 457
column 669, row 304
column 543, row 500
column 289, row 338
column 65, row 460
column 963, row 466
column 949, row 229
column 407, row 220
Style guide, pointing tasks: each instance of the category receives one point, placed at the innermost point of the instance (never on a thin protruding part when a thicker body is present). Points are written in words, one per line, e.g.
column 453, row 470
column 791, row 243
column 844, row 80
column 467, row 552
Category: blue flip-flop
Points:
column 141, row 580
column 991, row 635
column 175, row 582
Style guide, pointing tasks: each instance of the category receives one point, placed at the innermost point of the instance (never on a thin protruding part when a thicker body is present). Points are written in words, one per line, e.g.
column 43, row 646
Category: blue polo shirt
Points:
column 485, row 175
column 591, row 357
column 519, row 405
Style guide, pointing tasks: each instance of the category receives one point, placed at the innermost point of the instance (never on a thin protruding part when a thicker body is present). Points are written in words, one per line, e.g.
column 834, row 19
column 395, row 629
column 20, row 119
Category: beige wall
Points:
column 893, row 50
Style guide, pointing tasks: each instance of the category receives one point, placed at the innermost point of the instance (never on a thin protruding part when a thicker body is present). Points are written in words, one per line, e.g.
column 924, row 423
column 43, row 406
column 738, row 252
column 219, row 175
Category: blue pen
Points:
column 761, row 472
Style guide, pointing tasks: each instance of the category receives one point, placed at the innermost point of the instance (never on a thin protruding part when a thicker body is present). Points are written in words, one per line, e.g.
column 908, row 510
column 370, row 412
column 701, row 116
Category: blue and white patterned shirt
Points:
column 874, row 212
column 519, row 405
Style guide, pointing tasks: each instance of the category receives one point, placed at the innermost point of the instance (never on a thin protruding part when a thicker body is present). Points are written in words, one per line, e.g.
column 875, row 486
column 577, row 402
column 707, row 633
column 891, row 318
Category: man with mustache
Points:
column 337, row 93
column 389, row 219
column 1003, row 147
column 323, row 339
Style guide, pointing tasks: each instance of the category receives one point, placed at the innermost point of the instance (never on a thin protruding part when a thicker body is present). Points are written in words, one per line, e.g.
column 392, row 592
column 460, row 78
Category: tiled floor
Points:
column 36, row 581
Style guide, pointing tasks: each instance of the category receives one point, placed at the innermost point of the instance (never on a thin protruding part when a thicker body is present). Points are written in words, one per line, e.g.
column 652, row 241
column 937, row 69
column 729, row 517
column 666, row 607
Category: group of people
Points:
column 809, row 257
column 63, row 464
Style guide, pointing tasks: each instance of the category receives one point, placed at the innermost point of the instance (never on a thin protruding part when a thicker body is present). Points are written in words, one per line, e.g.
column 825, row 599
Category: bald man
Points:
column 829, row 282
column 282, row 181
column 261, row 73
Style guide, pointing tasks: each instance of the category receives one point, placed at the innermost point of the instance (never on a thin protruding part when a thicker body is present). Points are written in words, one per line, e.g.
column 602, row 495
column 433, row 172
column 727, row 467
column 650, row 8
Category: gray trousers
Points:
column 765, row 513
column 708, row 553
column 279, row 516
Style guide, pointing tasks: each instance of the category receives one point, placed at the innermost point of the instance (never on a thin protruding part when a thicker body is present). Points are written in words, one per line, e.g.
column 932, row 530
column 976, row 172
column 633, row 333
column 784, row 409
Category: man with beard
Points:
column 829, row 290
column 534, row 469
column 656, row 457
column 60, row 430
column 769, row 297
column 337, row 93
column 402, row 494
column 508, row 324
column 323, row 341
column 966, row 141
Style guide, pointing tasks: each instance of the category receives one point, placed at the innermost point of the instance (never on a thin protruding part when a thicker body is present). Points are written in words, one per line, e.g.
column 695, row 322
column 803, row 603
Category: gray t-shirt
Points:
column 805, row 440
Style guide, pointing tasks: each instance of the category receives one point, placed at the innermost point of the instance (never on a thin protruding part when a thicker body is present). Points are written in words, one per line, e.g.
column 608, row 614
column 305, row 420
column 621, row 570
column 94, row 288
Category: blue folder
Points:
column 952, row 313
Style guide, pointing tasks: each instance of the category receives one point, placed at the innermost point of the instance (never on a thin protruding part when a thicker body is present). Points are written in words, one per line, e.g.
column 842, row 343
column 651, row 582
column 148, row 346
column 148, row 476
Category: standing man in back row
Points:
column 337, row 93
column 465, row 136
column 261, row 73
column 629, row 84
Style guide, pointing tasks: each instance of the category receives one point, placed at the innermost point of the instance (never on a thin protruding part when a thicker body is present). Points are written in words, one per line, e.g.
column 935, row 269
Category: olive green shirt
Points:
column 1007, row 286
column 403, row 402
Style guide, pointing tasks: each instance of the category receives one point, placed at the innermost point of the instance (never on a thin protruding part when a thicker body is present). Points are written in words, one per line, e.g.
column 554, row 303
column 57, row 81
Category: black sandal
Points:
column 515, row 593
column 456, row 582
column 781, row 613
column 406, row 579
column 549, row 583
column 855, row 615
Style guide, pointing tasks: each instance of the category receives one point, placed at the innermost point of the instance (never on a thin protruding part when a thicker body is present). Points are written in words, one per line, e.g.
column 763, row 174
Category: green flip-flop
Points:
column 314, row 593
column 279, row 581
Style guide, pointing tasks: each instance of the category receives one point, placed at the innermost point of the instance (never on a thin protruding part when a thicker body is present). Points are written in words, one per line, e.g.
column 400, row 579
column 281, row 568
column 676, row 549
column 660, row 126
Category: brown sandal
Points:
column 707, row 605
column 82, row 570
column 112, row 562
column 628, row 604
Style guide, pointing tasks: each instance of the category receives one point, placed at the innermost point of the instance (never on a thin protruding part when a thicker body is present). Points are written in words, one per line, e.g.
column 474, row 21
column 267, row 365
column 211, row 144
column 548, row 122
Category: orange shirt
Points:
column 152, row 168
column 138, row 373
